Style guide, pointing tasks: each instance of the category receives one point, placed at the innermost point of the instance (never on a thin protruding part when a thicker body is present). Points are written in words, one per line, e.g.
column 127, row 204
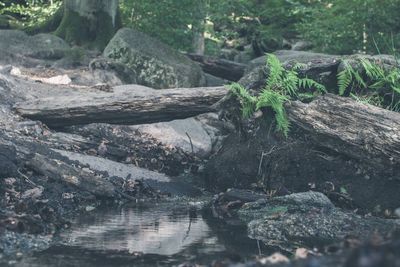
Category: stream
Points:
column 147, row 235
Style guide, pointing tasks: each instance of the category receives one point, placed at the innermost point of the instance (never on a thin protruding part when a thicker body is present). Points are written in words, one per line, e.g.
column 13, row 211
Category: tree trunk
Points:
column 130, row 105
column 89, row 22
column 198, row 27
column 198, row 42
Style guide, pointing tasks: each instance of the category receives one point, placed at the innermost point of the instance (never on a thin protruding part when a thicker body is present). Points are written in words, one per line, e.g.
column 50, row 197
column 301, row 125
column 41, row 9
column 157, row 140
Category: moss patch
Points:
column 150, row 71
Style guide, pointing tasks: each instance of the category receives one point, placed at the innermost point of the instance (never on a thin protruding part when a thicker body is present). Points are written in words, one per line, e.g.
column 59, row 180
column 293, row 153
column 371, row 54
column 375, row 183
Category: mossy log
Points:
column 359, row 131
column 136, row 106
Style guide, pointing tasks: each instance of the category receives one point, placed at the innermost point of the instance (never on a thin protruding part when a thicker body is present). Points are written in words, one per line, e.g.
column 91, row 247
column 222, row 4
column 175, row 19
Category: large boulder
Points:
column 40, row 46
column 156, row 65
column 309, row 219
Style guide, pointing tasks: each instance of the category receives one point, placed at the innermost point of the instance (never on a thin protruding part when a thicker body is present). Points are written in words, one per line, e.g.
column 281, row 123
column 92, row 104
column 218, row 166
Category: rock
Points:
column 228, row 54
column 33, row 193
column 255, row 79
column 8, row 161
column 290, row 55
column 40, row 46
column 47, row 46
column 127, row 75
column 212, row 80
column 397, row 212
column 308, row 218
column 58, row 80
column 320, row 67
column 156, row 65
column 301, row 46
column 245, row 56
column 12, row 243
column 267, row 44
column 275, row 258
column 243, row 195
column 4, row 22
column 200, row 135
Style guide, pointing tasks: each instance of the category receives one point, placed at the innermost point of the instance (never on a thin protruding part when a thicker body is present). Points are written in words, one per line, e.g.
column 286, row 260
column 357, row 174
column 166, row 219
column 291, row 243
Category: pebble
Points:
column 89, row 208
column 397, row 212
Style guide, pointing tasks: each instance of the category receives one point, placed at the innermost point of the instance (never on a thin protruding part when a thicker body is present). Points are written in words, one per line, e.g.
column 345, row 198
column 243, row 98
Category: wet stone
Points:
column 307, row 219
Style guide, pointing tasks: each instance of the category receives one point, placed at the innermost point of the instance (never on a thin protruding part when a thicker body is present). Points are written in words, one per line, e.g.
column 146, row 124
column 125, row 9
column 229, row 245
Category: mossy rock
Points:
column 155, row 64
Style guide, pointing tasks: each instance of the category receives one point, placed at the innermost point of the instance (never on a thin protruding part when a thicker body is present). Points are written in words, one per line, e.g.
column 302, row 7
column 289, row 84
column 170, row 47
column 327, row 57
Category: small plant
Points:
column 372, row 84
column 281, row 86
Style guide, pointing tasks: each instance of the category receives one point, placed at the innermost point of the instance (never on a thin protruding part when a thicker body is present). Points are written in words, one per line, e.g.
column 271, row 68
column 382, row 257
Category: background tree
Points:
column 92, row 22
column 346, row 27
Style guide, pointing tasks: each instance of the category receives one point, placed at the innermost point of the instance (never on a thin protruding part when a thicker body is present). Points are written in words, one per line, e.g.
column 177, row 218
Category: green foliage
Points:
column 346, row 27
column 170, row 20
column 275, row 101
column 30, row 14
column 247, row 101
column 281, row 86
column 371, row 83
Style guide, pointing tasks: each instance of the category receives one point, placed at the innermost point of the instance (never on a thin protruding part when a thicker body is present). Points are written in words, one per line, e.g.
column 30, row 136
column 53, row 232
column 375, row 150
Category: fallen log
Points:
column 60, row 171
column 24, row 152
column 130, row 104
column 360, row 131
column 221, row 68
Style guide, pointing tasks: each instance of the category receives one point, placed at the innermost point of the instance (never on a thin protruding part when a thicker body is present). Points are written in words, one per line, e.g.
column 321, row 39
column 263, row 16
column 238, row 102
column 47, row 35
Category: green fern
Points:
column 345, row 78
column 276, row 71
column 281, row 86
column 371, row 84
column 275, row 101
column 248, row 101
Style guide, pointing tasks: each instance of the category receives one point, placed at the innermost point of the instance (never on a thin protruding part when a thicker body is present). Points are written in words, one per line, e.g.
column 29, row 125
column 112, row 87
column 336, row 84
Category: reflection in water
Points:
column 153, row 236
column 154, row 231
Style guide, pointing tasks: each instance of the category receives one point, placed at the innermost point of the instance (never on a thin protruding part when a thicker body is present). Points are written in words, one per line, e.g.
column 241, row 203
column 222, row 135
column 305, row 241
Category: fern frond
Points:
column 307, row 83
column 276, row 102
column 345, row 78
column 247, row 101
column 299, row 66
column 276, row 70
column 290, row 83
column 373, row 71
column 358, row 79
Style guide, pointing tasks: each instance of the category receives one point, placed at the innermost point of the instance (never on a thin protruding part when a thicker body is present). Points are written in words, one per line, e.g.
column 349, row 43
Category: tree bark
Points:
column 136, row 105
column 89, row 22
column 363, row 132
column 222, row 68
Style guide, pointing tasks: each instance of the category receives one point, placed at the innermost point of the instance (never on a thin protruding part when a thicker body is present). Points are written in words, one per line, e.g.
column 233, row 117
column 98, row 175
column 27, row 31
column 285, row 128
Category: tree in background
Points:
column 346, row 27
column 172, row 21
column 89, row 22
